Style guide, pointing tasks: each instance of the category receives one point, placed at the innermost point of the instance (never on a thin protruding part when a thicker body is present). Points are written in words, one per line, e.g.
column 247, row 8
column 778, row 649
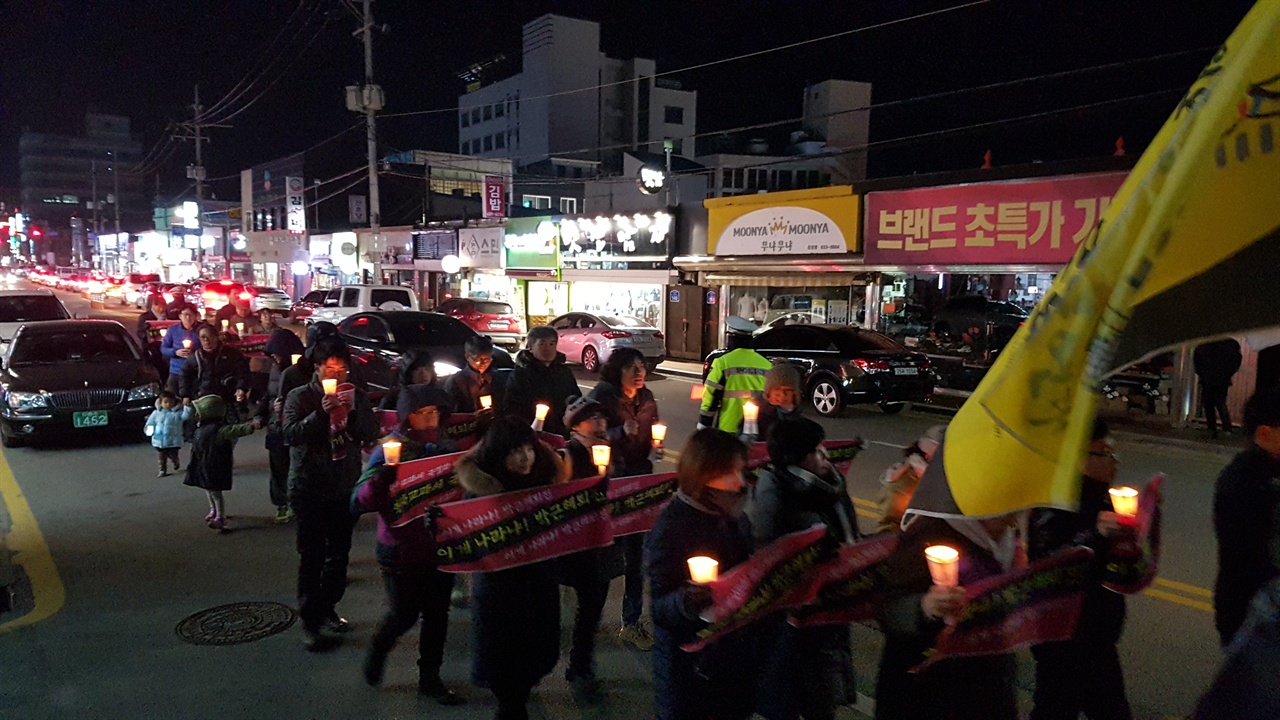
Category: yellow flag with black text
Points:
column 1189, row 248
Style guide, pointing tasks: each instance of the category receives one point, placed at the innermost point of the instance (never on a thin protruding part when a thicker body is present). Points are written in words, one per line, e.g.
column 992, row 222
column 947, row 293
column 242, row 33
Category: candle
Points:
column 486, row 402
column 540, row 415
column 187, row 343
column 944, row 565
column 703, row 569
column 1125, row 502
column 600, row 456
column 239, row 328
column 294, row 358
column 225, row 325
column 750, row 414
column 659, row 434
column 330, row 386
column 391, row 452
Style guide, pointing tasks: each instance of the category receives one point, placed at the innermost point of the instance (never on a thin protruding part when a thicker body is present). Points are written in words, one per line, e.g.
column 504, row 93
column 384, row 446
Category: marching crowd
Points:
column 320, row 421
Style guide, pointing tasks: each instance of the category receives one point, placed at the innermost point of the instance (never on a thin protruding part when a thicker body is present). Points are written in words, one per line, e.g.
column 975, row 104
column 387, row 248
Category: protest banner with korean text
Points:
column 636, row 502
column 422, row 483
column 846, row 588
column 1133, row 563
column 510, row 529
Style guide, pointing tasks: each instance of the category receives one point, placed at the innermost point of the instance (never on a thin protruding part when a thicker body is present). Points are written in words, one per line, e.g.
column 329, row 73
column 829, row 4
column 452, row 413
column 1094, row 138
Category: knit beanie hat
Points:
column 791, row 439
column 210, row 407
column 782, row 375
column 283, row 342
column 578, row 409
column 415, row 397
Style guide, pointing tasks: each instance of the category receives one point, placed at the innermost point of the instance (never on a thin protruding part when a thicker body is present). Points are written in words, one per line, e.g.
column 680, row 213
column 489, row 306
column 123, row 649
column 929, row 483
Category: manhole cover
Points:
column 236, row 623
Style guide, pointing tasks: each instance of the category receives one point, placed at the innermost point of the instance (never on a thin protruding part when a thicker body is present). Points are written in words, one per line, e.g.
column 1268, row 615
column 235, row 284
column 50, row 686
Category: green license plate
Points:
column 92, row 418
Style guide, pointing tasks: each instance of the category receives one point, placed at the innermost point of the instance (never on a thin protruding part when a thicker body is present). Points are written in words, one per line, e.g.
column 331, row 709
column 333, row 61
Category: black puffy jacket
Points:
column 533, row 382
column 313, row 473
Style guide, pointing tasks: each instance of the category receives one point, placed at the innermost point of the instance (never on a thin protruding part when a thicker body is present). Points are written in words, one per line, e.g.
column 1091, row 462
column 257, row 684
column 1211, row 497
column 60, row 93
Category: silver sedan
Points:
column 590, row 339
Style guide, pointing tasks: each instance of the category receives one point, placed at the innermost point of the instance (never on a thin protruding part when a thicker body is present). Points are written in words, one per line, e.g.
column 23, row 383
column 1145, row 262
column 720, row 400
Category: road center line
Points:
column 30, row 552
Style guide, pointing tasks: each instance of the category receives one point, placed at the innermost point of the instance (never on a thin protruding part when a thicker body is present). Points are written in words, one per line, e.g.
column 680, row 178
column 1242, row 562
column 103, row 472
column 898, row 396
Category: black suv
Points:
column 843, row 365
column 970, row 318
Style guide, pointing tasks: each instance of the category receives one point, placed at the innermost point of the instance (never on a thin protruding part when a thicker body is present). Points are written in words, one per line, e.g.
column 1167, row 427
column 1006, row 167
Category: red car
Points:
column 491, row 318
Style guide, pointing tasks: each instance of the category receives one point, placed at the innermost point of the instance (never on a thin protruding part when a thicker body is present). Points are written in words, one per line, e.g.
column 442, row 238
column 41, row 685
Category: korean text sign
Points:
column 1039, row 221
column 495, row 196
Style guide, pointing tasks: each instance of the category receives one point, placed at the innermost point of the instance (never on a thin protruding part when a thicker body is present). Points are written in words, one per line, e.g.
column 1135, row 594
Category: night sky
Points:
column 141, row 58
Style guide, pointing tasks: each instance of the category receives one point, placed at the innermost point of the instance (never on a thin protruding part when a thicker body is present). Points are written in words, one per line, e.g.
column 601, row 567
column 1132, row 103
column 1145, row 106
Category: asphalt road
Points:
column 134, row 557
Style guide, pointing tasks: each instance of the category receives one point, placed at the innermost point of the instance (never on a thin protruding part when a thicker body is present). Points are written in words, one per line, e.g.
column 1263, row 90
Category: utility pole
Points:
column 197, row 172
column 115, row 172
column 368, row 99
column 77, row 250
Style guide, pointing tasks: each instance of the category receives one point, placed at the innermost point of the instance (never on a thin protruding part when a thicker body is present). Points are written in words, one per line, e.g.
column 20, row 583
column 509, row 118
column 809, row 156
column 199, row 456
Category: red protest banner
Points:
column 842, row 452
column 553, row 441
column 636, row 502
column 422, row 483
column 846, row 588
column 250, row 345
column 459, row 427
column 388, row 421
column 1132, row 563
column 1035, row 604
column 769, row 581
column 503, row 531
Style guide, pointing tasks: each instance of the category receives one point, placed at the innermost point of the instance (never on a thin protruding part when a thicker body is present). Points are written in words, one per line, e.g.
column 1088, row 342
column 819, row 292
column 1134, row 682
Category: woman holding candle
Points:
column 632, row 412
column 216, row 369
column 914, row 609
column 810, row 671
column 415, row 588
column 415, row 367
column 515, row 615
column 1083, row 674
column 703, row 520
column 541, row 377
column 475, row 381
column 588, row 572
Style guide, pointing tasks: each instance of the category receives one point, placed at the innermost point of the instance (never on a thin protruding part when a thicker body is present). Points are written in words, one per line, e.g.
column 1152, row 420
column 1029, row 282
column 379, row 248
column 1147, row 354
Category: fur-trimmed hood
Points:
column 476, row 482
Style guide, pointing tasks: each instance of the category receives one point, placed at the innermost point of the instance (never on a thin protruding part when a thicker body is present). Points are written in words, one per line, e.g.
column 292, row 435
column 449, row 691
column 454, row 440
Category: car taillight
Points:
column 245, row 296
column 615, row 334
column 869, row 366
column 657, row 336
column 168, row 297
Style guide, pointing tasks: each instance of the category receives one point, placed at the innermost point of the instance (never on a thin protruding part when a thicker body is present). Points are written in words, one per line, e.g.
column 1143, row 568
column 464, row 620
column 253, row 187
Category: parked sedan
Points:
column 377, row 340
column 843, row 365
column 591, row 339
column 494, row 319
column 268, row 298
column 74, row 375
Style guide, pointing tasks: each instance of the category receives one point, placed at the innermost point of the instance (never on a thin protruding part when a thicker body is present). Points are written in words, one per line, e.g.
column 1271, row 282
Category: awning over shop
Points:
column 783, row 280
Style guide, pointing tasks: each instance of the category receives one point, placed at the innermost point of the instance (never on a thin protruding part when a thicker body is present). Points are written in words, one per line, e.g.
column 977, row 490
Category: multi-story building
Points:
column 61, row 176
column 571, row 105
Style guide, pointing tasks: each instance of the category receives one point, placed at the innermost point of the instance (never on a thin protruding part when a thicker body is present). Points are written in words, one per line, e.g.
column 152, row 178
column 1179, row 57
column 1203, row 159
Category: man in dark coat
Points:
column 156, row 312
column 1246, row 500
column 1083, row 674
column 1216, row 363
column 324, row 464
column 474, row 381
column 280, row 349
column 541, row 377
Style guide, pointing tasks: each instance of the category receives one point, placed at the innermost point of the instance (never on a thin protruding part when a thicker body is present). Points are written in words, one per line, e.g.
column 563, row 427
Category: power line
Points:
column 721, row 61
column 304, row 151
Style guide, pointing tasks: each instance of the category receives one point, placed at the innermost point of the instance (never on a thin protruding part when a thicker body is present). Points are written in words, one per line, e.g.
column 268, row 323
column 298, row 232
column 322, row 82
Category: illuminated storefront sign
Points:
column 641, row 236
column 795, row 222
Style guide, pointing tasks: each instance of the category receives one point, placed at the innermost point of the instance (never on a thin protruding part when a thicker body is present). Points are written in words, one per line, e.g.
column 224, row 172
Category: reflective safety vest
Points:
column 735, row 377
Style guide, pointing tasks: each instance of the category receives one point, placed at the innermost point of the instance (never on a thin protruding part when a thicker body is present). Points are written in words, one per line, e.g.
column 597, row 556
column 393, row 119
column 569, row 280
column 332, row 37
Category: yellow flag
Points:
column 1189, row 247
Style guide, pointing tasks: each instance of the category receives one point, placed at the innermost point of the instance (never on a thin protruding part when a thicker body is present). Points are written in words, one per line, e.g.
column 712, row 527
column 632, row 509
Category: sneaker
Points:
column 337, row 624
column 212, row 514
column 435, row 688
column 162, row 473
column 219, row 524
column 283, row 515
column 638, row 635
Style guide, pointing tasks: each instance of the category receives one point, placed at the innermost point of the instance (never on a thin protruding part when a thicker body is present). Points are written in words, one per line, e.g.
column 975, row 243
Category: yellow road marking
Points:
column 31, row 552
column 1183, row 587
column 1197, row 604
column 865, row 503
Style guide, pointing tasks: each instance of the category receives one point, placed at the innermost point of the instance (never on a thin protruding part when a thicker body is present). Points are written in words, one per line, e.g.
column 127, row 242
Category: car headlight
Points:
column 444, row 369
column 143, row 392
column 27, row 400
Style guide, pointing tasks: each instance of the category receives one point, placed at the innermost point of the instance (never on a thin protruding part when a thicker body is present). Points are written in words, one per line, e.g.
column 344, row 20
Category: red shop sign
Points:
column 494, row 196
column 1021, row 222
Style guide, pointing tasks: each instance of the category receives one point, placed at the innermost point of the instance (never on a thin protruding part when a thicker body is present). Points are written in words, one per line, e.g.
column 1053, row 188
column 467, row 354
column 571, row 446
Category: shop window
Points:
column 673, row 115
column 568, row 205
column 488, row 112
column 465, row 119
column 488, row 142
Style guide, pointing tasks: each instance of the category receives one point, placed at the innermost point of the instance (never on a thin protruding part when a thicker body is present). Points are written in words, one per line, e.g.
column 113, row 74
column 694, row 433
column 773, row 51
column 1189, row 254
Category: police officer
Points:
column 735, row 377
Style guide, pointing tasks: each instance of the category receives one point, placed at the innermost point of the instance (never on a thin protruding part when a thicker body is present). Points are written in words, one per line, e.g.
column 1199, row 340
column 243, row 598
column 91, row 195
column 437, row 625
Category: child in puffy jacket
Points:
column 164, row 427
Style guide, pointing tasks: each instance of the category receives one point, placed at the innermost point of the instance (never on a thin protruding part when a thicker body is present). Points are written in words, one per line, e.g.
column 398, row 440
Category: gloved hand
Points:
column 701, row 426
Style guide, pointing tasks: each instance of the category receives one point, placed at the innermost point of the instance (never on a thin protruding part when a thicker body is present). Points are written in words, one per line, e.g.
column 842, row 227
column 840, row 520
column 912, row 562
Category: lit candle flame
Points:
column 486, row 402
column 600, row 456
column 1125, row 501
column 944, row 565
column 391, row 452
column 330, row 386
column 659, row 434
column 703, row 569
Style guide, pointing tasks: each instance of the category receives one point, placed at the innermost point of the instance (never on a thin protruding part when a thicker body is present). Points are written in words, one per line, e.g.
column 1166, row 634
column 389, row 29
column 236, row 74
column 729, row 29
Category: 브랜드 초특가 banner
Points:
column 1132, row 563
column 502, row 531
column 769, row 581
column 1197, row 220
column 422, row 483
column 845, row 588
column 1035, row 604
column 636, row 502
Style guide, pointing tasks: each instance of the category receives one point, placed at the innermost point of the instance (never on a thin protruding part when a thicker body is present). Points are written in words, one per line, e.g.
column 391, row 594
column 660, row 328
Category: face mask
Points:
column 728, row 503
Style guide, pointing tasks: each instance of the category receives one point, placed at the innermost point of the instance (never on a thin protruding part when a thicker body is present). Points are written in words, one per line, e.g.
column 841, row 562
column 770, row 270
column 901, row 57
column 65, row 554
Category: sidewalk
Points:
column 1151, row 430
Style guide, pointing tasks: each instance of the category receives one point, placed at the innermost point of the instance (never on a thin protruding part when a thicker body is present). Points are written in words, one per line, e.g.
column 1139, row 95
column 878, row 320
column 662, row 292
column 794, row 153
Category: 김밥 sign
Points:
column 495, row 198
column 798, row 222
column 999, row 223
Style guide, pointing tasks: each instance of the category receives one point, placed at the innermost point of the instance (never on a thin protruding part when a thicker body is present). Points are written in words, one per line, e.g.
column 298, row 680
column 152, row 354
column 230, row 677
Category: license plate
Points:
column 906, row 371
column 497, row 325
column 91, row 418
